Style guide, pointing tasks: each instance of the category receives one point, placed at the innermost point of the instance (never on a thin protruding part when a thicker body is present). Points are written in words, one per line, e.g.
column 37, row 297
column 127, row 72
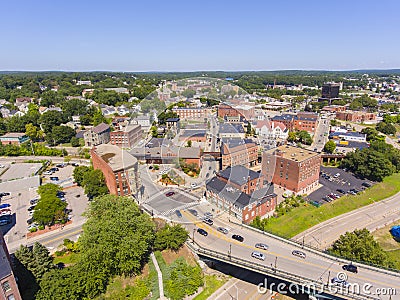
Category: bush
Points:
column 34, row 229
column 170, row 237
column 60, row 252
column 41, row 227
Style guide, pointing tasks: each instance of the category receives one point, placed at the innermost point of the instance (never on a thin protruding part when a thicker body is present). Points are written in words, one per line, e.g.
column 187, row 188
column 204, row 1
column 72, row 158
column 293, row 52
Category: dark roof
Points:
column 5, row 268
column 194, row 132
column 353, row 144
column 239, row 174
column 157, row 142
column 172, row 120
column 236, row 197
column 230, row 128
column 80, row 134
column 234, row 142
column 102, row 127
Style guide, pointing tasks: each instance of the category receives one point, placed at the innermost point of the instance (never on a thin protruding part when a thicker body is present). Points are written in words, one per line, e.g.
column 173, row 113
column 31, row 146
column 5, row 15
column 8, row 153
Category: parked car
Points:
column 34, row 201
column 29, row 221
column 336, row 175
column 193, row 185
column 34, row 225
column 169, row 194
column 60, row 165
column 3, row 194
column 341, row 191
column 299, row 253
column 4, row 205
column 4, row 222
column 223, row 230
column 208, row 221
column 209, row 215
column 366, row 184
column 54, row 178
column 5, row 212
column 55, row 169
column 258, row 255
column 337, row 281
column 178, row 213
column 75, row 164
column 32, row 207
column 262, row 246
column 238, row 237
column 351, row 268
column 202, row 231
column 194, row 212
column 48, row 173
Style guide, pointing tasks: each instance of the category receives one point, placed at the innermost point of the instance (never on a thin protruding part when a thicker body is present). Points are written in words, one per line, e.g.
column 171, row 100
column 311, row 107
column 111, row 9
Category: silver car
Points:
column 223, row 230
column 262, row 246
column 258, row 255
column 299, row 253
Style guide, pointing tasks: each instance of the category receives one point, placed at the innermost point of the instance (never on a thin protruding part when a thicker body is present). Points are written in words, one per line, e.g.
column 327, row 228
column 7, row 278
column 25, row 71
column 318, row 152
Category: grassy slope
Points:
column 392, row 248
column 211, row 284
column 304, row 217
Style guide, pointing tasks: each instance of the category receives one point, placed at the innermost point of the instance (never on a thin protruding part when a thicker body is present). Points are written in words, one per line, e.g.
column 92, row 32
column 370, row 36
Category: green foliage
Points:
column 33, row 132
column 335, row 122
column 372, row 134
column 360, row 245
column 301, row 136
column 386, row 128
column 363, row 102
column 111, row 98
column 188, row 93
column 50, row 208
column 37, row 261
column 330, row 146
column 183, row 279
column 259, row 223
column 170, row 237
column 79, row 173
column 94, row 183
column 51, row 118
column 75, row 142
column 60, row 134
column 74, row 107
column 287, row 205
column 162, row 117
column 189, row 143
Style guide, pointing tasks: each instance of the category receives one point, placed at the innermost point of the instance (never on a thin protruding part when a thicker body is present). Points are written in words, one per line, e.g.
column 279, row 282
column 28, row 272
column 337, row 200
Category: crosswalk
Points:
column 172, row 210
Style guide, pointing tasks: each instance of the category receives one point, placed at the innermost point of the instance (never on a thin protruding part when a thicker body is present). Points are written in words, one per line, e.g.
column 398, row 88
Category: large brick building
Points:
column 9, row 289
column 190, row 113
column 97, row 135
column 120, row 169
column 127, row 136
column 294, row 169
column 236, row 152
column 355, row 116
column 302, row 121
column 245, row 180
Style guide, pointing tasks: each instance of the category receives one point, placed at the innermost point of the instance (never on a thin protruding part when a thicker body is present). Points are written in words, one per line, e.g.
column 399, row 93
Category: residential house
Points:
column 271, row 129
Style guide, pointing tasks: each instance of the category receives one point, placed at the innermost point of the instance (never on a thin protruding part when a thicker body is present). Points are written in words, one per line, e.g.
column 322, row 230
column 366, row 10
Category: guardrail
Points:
column 317, row 251
column 307, row 284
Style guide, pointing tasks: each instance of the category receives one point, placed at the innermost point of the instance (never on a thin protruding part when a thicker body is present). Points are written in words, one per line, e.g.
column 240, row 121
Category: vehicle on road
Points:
column 54, row 178
column 208, row 221
column 262, row 246
column 169, row 194
column 299, row 253
column 258, row 255
column 238, row 237
column 48, row 173
column 4, row 205
column 32, row 207
column 193, row 212
column 223, row 230
column 3, row 194
column 209, row 215
column 202, row 231
column 193, row 185
column 178, row 213
column 351, row 268
column 34, row 201
column 337, row 281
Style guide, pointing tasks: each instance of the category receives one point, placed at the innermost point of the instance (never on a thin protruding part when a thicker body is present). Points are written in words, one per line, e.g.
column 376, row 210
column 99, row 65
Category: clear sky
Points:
column 146, row 35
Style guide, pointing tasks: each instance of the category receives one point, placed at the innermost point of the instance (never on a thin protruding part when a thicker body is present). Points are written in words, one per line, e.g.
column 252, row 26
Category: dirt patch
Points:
column 170, row 256
column 385, row 239
column 160, row 223
column 145, row 271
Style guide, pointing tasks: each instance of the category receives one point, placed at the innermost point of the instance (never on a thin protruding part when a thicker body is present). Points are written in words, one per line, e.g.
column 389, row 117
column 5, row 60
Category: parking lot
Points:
column 345, row 182
column 19, row 199
column 16, row 171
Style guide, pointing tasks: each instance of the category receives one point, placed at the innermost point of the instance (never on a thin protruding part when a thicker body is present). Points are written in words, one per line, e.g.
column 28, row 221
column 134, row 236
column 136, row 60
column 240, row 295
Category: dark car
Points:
column 351, row 268
column 178, row 213
column 367, row 184
column 54, row 178
column 202, row 231
column 169, row 194
column 194, row 212
column 238, row 237
column 341, row 191
column 208, row 221
column 4, row 205
column 34, row 201
column 4, row 194
column 29, row 221
column 31, row 208
column 74, row 164
column 60, row 165
column 54, row 169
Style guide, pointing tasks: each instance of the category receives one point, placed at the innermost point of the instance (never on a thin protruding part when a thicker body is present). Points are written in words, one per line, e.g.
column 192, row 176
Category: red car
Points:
column 169, row 194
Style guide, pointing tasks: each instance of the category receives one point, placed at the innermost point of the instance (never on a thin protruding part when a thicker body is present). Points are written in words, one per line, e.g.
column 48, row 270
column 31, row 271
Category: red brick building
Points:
column 245, row 180
column 302, row 121
column 9, row 289
column 190, row 113
column 292, row 168
column 225, row 110
column 236, row 152
column 355, row 116
column 127, row 137
column 120, row 169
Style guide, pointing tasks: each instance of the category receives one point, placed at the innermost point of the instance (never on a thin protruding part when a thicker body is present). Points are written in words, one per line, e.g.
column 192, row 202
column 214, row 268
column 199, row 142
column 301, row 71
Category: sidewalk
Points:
column 160, row 278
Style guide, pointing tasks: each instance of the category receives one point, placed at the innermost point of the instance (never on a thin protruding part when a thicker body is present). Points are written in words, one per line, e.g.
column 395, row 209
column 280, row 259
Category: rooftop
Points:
column 293, row 153
column 14, row 135
column 115, row 157
column 239, row 174
column 100, row 128
column 5, row 268
column 193, row 133
column 230, row 128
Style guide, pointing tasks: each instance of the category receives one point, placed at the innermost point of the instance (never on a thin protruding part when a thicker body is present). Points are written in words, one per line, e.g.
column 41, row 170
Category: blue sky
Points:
column 199, row 35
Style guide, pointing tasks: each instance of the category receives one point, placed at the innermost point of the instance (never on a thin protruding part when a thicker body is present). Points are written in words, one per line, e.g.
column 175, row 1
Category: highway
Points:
column 373, row 216
column 315, row 267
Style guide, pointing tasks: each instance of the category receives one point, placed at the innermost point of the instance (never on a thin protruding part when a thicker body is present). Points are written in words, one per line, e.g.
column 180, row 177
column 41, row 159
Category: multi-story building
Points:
column 302, row 121
column 355, row 116
column 349, row 136
column 242, row 178
column 127, row 137
column 190, row 113
column 226, row 110
column 294, row 169
column 14, row 138
column 236, row 152
column 246, row 111
column 193, row 135
column 243, row 206
column 120, row 169
column 271, row 130
column 330, row 90
column 9, row 289
column 97, row 135
column 228, row 130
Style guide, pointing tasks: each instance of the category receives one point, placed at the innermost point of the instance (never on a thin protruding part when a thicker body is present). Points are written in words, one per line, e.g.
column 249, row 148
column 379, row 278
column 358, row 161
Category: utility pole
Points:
column 194, row 230
column 276, row 259
column 329, row 275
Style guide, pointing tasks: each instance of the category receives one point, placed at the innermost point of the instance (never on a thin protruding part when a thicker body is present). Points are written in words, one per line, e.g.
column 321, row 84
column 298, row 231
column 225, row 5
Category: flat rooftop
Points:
column 294, row 153
column 115, row 157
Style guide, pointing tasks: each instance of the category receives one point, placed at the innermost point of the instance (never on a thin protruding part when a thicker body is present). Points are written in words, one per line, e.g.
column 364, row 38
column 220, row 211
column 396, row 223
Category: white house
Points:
column 271, row 129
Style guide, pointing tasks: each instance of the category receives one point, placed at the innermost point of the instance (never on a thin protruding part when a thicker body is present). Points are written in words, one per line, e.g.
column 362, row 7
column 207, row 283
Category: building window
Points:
column 6, row 286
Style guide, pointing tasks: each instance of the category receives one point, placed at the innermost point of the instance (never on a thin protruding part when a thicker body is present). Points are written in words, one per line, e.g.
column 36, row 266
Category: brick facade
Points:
column 127, row 137
column 355, row 116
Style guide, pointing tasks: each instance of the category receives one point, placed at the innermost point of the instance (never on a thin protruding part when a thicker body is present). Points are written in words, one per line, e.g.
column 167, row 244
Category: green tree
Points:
column 304, row 137
column 60, row 134
column 260, row 223
column 79, row 174
column 360, row 245
column 74, row 142
column 170, row 237
column 33, row 132
column 94, row 183
column 50, row 119
column 189, row 143
column 292, row 137
column 330, row 146
column 248, row 130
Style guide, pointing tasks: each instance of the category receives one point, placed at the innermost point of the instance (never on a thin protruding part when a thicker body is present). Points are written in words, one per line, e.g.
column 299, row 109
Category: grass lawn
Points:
column 67, row 259
column 386, row 241
column 304, row 217
column 211, row 284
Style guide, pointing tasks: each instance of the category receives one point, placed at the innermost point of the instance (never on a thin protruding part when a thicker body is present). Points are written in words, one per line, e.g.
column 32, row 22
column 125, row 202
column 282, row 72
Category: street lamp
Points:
column 230, row 251
column 194, row 230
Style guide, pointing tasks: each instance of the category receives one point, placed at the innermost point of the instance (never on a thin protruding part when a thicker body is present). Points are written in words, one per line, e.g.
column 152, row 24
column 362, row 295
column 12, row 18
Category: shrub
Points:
column 41, row 227
column 34, row 229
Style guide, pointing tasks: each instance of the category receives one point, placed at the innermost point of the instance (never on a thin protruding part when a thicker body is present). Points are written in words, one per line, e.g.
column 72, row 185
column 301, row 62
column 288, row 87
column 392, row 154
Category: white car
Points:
column 48, row 173
column 193, row 185
column 258, row 255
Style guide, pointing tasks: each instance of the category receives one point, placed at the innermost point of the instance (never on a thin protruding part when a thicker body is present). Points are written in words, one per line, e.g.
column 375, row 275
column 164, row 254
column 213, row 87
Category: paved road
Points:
column 320, row 139
column 315, row 267
column 371, row 217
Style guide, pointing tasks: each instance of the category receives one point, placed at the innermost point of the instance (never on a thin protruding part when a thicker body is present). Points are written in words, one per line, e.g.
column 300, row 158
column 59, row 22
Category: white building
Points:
column 271, row 129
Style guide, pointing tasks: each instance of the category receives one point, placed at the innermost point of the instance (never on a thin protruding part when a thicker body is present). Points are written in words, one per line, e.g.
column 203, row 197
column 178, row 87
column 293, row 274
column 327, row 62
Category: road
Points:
column 371, row 217
column 279, row 255
column 320, row 138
